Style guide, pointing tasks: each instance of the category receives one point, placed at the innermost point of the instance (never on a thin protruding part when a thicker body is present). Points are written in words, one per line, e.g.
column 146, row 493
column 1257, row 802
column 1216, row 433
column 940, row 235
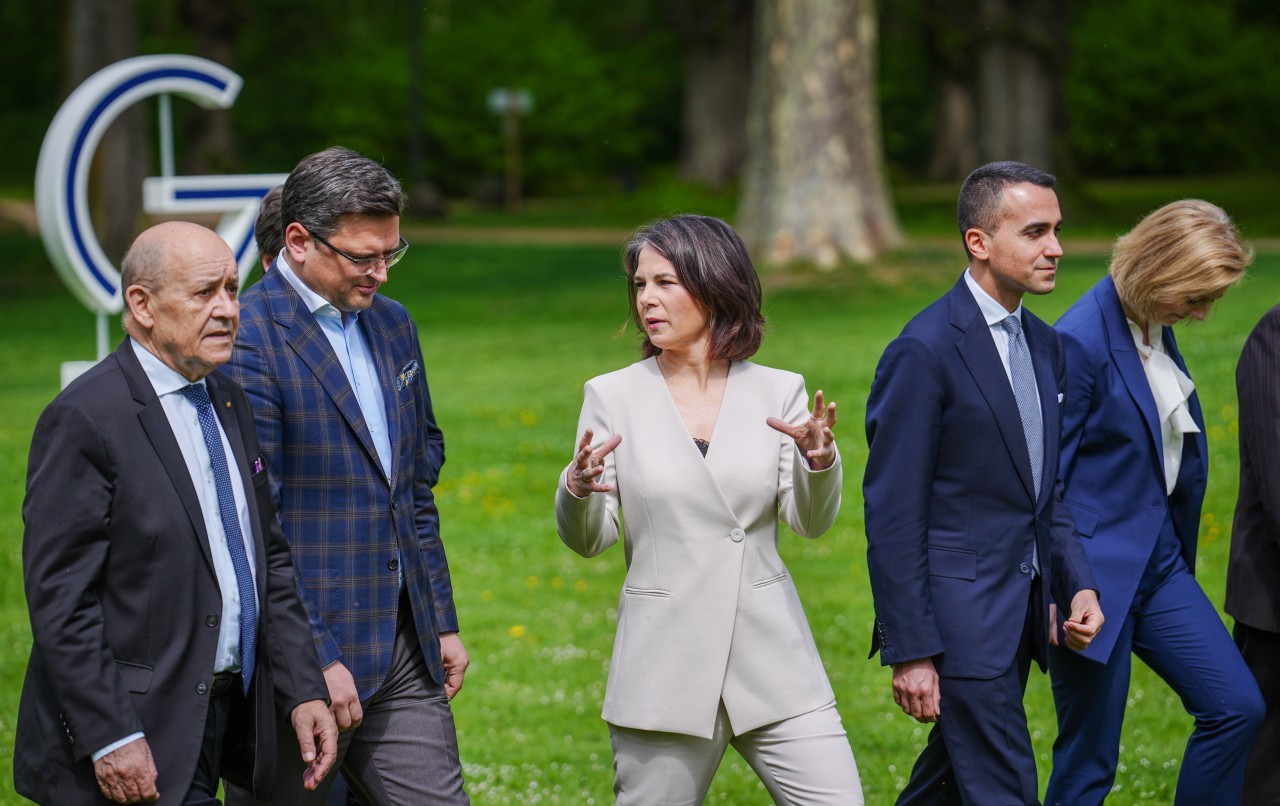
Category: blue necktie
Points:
column 1024, row 391
column 199, row 397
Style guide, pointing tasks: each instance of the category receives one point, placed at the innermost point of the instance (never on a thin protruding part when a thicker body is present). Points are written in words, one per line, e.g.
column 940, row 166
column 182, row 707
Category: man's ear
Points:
column 976, row 240
column 138, row 301
column 295, row 241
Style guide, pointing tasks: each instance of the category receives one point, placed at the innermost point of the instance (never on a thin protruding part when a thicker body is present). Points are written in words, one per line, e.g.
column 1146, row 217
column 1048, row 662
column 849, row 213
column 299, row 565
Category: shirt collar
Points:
column 993, row 312
column 315, row 303
column 164, row 378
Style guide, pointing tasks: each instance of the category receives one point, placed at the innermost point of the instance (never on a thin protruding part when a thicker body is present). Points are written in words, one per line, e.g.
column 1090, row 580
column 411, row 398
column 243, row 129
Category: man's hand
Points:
column 915, row 689
column 1086, row 619
column 312, row 721
column 454, row 657
column 128, row 773
column 344, row 701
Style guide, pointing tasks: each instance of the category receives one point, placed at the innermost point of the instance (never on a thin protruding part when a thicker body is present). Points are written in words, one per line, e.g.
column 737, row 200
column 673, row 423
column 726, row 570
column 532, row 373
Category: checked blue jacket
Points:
column 352, row 530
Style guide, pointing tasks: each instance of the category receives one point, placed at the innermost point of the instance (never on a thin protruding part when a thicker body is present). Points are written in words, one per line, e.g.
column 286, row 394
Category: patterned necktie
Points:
column 1024, row 391
column 199, row 397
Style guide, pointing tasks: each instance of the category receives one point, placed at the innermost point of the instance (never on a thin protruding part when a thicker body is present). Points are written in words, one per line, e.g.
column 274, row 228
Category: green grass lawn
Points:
column 510, row 334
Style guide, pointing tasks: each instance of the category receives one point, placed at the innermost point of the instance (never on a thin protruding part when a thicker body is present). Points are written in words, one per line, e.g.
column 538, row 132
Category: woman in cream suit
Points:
column 704, row 452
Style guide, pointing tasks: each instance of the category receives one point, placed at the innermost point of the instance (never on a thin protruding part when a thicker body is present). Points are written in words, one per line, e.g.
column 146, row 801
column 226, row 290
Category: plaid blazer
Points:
column 352, row 530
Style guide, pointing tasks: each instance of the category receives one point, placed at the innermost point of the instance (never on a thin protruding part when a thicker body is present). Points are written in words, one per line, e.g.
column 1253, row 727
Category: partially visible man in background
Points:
column 268, row 232
column 165, row 617
column 1253, row 573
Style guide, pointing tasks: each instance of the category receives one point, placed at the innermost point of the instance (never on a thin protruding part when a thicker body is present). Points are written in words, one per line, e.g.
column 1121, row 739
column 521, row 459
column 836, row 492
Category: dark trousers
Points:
column 1261, row 651
column 979, row 751
column 1173, row 628
column 204, row 786
column 405, row 750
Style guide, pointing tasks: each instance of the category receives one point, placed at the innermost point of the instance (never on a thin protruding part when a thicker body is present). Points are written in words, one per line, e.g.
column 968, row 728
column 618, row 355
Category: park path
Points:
column 21, row 215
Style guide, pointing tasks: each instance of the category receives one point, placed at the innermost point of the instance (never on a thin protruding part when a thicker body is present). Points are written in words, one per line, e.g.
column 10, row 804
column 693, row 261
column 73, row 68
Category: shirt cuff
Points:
column 114, row 746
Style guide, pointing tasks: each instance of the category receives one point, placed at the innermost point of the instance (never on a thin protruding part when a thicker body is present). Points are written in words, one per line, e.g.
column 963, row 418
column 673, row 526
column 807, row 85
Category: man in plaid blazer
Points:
column 335, row 374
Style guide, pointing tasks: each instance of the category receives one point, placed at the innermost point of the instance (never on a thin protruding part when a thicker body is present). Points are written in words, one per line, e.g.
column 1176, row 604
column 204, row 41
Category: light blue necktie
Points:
column 199, row 397
column 1024, row 391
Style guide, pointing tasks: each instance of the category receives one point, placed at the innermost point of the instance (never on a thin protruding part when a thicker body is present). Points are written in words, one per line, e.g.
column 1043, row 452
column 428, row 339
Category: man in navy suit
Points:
column 336, row 378
column 965, row 545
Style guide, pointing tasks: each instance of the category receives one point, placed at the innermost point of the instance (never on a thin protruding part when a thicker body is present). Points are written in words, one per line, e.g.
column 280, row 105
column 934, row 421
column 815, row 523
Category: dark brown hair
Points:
column 713, row 265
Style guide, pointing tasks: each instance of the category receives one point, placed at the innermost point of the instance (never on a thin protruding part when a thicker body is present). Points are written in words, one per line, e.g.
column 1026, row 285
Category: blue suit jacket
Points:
column 950, row 511
column 1112, row 464
column 352, row 530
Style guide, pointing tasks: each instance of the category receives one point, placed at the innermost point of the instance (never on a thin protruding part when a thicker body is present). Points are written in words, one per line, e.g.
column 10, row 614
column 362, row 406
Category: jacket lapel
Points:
column 978, row 352
column 306, row 339
column 156, row 425
column 380, row 348
column 684, row 452
column 222, row 405
column 1129, row 365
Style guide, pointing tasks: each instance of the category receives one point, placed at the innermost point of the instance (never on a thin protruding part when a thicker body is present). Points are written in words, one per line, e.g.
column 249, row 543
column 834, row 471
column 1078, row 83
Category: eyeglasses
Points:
column 368, row 265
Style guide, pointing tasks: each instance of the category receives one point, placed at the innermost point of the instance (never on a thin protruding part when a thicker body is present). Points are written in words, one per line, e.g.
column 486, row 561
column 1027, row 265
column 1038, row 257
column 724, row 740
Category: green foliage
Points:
column 510, row 333
column 1158, row 87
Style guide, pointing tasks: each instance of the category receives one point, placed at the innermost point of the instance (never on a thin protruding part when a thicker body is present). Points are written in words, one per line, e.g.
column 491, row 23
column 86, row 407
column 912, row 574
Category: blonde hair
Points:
column 1186, row 250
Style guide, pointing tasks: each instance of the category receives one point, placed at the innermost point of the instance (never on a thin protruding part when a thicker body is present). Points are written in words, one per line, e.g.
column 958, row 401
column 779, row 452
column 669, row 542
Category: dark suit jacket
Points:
column 950, row 511
column 1253, row 575
column 1112, row 464
column 123, row 597
column 352, row 529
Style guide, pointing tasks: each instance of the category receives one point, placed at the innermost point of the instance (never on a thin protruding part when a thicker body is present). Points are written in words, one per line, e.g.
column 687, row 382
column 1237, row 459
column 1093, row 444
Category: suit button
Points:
column 202, row 688
column 211, row 620
column 1024, row 568
column 394, row 565
column 736, row 535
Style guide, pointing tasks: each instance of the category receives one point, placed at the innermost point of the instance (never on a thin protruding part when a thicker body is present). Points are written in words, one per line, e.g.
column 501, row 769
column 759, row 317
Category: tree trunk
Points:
column 814, row 185
column 716, row 36
column 209, row 145
column 955, row 134
column 102, row 32
column 1019, row 84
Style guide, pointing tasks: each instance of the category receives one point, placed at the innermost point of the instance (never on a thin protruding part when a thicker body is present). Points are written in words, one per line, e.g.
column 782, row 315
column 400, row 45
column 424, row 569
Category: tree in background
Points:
column 715, row 36
column 99, row 33
column 814, row 187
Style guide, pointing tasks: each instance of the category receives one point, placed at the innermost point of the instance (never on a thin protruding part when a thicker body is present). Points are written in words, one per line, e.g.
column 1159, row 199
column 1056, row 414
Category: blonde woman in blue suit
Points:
column 705, row 452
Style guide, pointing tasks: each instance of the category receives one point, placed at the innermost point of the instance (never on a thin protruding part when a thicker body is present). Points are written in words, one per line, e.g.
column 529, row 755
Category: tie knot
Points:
column 197, row 394
column 1012, row 324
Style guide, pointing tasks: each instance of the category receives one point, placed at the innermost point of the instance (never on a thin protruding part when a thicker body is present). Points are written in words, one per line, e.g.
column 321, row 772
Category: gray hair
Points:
column 334, row 183
column 983, row 190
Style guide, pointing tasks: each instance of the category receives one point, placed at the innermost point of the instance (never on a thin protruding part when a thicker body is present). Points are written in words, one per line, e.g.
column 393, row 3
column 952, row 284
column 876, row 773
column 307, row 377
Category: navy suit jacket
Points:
column 124, row 601
column 352, row 529
column 951, row 515
column 1112, row 464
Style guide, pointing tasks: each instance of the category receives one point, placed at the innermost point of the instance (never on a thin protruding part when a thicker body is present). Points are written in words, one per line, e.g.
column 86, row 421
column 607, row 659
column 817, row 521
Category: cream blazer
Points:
column 708, row 612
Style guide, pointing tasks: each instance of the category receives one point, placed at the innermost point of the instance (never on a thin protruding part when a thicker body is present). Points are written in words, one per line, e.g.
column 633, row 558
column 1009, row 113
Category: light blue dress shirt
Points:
column 349, row 344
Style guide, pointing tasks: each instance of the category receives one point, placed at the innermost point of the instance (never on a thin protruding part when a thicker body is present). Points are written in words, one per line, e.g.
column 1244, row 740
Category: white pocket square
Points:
column 1059, row 397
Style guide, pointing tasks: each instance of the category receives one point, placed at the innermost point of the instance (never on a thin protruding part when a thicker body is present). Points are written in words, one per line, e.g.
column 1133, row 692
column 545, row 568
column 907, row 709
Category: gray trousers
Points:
column 404, row 753
column 802, row 760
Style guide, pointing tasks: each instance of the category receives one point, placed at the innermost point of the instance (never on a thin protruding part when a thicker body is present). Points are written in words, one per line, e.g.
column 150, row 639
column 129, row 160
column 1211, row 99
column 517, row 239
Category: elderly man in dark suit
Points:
column 965, row 545
column 166, row 622
column 336, row 377
column 1253, row 575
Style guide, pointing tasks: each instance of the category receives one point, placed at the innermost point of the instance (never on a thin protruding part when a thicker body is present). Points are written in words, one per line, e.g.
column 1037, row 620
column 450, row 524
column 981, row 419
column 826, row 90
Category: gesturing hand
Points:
column 814, row 435
column 584, row 474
